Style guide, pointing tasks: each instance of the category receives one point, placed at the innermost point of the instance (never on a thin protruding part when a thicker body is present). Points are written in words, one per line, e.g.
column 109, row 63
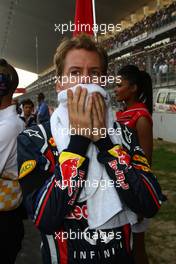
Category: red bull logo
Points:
column 120, row 176
column 123, row 157
column 78, row 213
column 69, row 165
column 121, row 180
column 69, row 170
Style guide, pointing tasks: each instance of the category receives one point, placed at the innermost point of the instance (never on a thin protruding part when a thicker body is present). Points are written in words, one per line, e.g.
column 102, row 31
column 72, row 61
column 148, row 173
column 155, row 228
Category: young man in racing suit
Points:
column 54, row 207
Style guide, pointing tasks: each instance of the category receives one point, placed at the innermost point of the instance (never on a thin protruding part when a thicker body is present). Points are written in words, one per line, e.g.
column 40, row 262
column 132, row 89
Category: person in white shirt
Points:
column 11, row 225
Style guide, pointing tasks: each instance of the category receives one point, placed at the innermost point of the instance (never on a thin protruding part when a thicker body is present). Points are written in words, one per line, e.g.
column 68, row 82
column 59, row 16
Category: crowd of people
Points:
column 159, row 60
column 149, row 23
column 30, row 114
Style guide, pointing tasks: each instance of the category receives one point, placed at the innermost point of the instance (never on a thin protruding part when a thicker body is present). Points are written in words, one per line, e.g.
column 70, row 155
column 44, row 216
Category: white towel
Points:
column 103, row 203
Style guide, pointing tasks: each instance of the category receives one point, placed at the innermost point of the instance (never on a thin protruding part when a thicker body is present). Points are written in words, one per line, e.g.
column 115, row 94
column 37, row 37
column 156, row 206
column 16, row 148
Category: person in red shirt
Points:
column 135, row 90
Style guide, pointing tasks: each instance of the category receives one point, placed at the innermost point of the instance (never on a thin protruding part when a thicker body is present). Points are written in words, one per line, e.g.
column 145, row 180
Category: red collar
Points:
column 136, row 105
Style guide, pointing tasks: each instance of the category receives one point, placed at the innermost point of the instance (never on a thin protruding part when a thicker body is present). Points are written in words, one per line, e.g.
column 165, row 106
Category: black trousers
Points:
column 11, row 235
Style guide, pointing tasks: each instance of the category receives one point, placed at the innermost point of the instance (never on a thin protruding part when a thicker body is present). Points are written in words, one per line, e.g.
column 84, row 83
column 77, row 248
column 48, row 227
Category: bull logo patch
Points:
column 69, row 165
column 123, row 157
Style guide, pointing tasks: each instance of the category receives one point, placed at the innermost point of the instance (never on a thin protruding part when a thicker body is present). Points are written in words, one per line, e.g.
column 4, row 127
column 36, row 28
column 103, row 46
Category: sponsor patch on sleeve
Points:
column 69, row 158
column 26, row 168
column 69, row 164
column 141, row 159
column 119, row 153
column 52, row 142
column 141, row 167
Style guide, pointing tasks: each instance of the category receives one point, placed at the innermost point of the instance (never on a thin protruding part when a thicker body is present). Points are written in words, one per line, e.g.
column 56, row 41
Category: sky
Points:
column 25, row 78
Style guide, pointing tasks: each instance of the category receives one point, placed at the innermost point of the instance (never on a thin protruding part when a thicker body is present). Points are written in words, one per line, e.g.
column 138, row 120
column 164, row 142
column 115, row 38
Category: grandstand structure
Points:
column 151, row 46
column 153, row 50
column 44, row 84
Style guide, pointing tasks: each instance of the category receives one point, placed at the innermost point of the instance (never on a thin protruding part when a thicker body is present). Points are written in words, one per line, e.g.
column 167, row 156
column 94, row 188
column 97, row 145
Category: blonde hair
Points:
column 82, row 41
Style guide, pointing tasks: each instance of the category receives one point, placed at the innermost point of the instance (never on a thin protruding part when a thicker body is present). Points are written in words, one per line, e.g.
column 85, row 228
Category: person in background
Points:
column 42, row 110
column 11, row 225
column 135, row 90
column 18, row 108
column 27, row 115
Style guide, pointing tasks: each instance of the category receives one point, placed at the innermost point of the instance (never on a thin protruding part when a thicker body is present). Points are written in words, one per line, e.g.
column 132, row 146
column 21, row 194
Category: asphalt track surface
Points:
column 30, row 252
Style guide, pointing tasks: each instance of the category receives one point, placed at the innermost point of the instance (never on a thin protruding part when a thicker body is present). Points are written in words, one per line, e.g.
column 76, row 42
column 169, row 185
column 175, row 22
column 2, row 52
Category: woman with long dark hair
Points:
column 135, row 90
